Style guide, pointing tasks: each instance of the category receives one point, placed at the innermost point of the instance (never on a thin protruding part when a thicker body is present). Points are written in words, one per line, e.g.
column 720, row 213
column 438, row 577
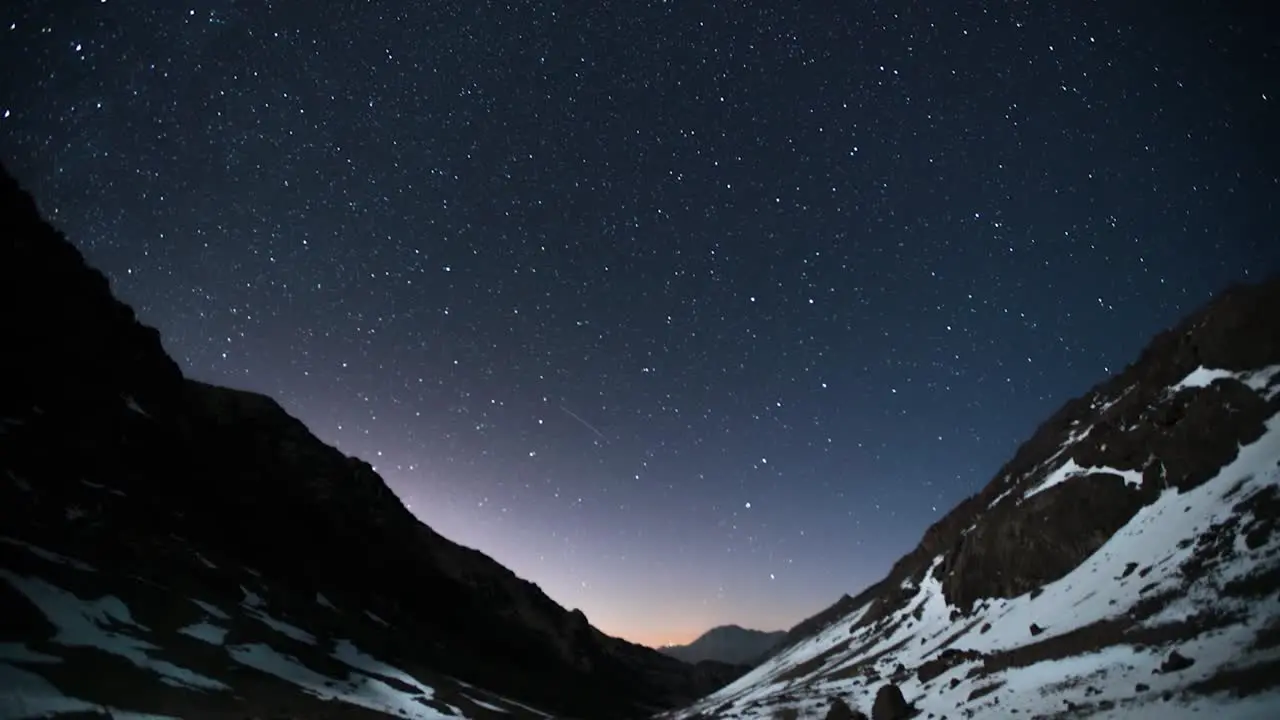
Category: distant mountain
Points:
column 728, row 644
column 173, row 548
column 1124, row 563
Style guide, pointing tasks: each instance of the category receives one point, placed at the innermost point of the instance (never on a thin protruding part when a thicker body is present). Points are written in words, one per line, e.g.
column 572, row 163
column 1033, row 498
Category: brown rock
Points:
column 1175, row 662
column 889, row 704
column 840, row 710
column 945, row 660
column 1021, row 547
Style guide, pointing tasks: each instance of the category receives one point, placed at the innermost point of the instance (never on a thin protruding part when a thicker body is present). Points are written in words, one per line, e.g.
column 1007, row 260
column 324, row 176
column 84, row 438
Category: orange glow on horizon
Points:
column 676, row 634
column 657, row 640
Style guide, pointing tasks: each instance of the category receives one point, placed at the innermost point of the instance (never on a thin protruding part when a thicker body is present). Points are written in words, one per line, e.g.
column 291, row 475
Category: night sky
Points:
column 691, row 313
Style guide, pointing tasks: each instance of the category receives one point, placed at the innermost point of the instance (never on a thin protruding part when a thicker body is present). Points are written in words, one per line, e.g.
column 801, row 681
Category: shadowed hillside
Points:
column 172, row 547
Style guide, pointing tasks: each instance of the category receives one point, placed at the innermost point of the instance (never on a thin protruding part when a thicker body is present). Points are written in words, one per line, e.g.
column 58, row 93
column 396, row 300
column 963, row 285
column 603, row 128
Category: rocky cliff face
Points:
column 172, row 547
column 1126, row 559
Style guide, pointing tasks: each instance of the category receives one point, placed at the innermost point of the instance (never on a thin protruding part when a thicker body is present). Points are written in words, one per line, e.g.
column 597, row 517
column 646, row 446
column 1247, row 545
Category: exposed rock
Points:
column 1020, row 547
column 1176, row 662
column 816, row 623
column 840, row 710
column 983, row 691
column 889, row 704
column 1003, row 549
column 945, row 660
column 1161, row 438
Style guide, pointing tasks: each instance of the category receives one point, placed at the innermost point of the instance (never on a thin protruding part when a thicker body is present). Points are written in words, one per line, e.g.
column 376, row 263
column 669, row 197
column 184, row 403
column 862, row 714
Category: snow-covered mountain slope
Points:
column 1125, row 564
column 183, row 653
column 174, row 548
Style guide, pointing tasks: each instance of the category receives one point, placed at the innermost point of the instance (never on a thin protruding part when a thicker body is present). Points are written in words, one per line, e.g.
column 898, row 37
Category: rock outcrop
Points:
column 1137, row 523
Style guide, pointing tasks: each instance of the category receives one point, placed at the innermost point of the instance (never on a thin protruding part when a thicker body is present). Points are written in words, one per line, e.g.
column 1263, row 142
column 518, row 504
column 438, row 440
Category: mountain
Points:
column 169, row 547
column 1124, row 563
column 727, row 644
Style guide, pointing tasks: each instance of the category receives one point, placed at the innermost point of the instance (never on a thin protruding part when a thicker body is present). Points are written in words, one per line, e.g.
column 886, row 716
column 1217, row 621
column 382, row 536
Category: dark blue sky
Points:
column 689, row 314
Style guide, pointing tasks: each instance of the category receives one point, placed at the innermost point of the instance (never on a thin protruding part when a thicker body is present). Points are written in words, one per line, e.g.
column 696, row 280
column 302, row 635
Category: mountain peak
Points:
column 730, row 644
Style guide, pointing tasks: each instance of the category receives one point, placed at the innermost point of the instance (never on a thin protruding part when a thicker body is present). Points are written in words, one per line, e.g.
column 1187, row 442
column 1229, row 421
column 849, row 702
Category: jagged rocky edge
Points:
column 1236, row 334
column 1076, row 422
column 866, row 641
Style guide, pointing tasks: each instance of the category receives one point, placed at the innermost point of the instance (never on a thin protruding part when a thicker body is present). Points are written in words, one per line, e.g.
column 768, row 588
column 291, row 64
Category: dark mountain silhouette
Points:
column 728, row 644
column 1125, row 560
column 168, row 546
column 172, row 547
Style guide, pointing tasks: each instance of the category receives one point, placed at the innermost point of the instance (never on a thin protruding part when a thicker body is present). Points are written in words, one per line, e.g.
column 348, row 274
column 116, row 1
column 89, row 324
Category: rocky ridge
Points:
column 1134, row 533
column 728, row 644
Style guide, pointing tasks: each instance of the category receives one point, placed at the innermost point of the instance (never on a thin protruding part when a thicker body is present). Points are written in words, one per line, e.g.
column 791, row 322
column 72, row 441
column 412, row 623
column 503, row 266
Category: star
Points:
column 578, row 300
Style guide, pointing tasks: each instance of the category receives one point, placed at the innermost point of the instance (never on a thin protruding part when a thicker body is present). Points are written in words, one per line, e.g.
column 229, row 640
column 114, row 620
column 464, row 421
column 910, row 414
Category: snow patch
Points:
column 21, row 483
column 480, row 703
column 49, row 555
column 18, row 652
column 1158, row 539
column 357, row 689
column 27, row 695
column 1199, row 378
column 522, row 706
column 104, row 624
column 283, row 628
column 347, row 653
column 206, row 632
column 103, row 488
column 212, row 609
column 251, row 599
column 1070, row 470
column 133, row 405
column 1000, row 497
column 1257, row 380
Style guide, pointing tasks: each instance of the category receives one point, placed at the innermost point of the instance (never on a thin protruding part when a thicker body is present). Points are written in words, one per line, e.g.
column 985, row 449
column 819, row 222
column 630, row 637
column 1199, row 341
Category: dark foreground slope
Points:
column 173, row 547
column 727, row 644
column 1124, row 563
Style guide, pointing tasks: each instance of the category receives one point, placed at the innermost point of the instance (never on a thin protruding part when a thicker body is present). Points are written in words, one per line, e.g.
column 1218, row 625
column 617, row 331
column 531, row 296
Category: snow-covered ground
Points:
column 105, row 623
column 1118, row 674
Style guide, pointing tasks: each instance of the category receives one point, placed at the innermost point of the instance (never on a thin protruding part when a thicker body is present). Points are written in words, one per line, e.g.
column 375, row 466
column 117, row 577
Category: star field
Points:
column 690, row 314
